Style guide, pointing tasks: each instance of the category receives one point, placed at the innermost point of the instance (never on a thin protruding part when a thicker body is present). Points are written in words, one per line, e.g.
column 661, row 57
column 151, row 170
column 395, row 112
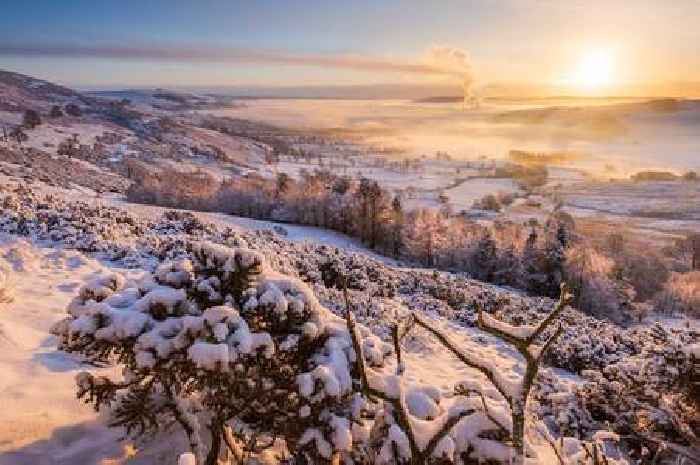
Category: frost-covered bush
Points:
column 681, row 294
column 642, row 384
column 220, row 344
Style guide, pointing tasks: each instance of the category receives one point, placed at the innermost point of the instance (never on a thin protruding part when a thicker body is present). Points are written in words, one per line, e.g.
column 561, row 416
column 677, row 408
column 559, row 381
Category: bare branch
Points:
column 397, row 348
column 494, row 331
column 231, row 444
column 357, row 347
column 407, row 327
column 463, row 357
column 554, row 448
column 564, row 299
column 548, row 343
column 489, row 416
column 446, row 428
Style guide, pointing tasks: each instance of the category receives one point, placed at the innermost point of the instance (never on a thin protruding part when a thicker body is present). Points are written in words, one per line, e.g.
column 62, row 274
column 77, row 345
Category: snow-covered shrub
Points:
column 642, row 384
column 218, row 343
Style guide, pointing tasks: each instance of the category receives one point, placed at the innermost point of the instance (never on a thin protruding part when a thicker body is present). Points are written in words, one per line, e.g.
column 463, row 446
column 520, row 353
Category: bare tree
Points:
column 523, row 339
column 525, row 342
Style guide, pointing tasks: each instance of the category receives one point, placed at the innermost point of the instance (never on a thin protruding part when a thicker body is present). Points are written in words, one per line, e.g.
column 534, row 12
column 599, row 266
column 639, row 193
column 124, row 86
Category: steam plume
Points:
column 457, row 61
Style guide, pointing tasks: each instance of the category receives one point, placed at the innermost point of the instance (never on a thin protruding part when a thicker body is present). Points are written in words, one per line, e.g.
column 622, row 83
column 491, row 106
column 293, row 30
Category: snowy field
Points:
column 41, row 422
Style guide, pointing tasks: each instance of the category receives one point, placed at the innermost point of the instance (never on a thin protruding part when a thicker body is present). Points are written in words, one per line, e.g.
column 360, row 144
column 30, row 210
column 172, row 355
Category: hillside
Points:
column 54, row 246
column 19, row 92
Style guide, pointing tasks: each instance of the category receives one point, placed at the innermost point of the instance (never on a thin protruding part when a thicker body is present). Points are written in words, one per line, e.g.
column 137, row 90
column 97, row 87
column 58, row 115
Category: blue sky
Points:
column 506, row 40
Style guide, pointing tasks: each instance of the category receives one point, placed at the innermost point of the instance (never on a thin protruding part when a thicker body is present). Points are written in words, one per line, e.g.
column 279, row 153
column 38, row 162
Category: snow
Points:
column 421, row 405
column 209, row 356
column 39, row 415
column 520, row 332
column 187, row 459
column 694, row 350
column 44, row 280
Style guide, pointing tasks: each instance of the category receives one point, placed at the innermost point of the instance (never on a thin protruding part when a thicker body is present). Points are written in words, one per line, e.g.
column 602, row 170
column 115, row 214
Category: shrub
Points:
column 681, row 294
column 690, row 176
column 214, row 341
column 56, row 112
column 31, row 119
column 488, row 202
column 73, row 110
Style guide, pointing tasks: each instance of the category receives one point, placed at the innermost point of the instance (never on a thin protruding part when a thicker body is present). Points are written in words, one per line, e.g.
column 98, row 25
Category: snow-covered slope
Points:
column 58, row 243
column 40, row 419
column 19, row 92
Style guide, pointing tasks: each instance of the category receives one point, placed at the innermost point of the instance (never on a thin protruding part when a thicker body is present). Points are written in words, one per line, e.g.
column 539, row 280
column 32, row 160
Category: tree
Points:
column 694, row 242
column 372, row 205
column 531, row 259
column 282, row 184
column 690, row 176
column 425, row 235
column 73, row 110
column 485, row 257
column 341, row 185
column 31, row 119
column 19, row 135
column 55, row 112
column 397, row 219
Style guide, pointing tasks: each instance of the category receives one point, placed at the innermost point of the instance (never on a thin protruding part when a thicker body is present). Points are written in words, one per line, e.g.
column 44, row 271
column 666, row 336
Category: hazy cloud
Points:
column 441, row 61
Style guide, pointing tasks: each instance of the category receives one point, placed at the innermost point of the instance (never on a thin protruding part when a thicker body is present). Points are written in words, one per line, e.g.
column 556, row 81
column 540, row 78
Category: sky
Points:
column 593, row 46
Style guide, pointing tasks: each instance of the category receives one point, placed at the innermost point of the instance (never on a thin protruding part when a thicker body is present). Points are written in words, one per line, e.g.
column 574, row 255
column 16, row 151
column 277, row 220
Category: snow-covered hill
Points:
column 53, row 245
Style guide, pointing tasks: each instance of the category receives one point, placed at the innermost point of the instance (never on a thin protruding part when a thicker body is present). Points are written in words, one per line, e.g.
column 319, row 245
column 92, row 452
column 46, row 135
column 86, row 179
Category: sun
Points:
column 595, row 70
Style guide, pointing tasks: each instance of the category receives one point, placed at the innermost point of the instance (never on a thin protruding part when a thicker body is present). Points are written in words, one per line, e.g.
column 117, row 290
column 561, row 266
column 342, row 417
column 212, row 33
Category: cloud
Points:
column 441, row 61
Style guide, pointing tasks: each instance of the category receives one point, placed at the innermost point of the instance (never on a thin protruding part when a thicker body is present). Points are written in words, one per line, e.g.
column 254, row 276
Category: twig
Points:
column 397, row 348
column 490, row 417
column 446, row 428
column 554, row 448
column 230, row 443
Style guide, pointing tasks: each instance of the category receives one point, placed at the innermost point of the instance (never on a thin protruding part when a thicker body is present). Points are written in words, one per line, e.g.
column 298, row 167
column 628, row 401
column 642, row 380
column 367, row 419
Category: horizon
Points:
column 484, row 48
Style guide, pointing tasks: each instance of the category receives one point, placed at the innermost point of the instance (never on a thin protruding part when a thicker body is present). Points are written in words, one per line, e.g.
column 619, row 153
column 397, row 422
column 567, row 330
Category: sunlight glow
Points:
column 595, row 69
